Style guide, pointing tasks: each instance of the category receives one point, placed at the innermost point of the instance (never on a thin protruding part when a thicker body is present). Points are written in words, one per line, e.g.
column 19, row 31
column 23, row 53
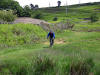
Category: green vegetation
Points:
column 81, row 51
column 75, row 13
column 5, row 3
column 94, row 17
column 76, row 51
column 19, row 34
column 55, row 19
column 37, row 14
column 7, row 16
column 18, row 10
column 11, row 4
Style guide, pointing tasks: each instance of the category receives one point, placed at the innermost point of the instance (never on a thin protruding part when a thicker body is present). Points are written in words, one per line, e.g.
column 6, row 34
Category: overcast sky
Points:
column 46, row 3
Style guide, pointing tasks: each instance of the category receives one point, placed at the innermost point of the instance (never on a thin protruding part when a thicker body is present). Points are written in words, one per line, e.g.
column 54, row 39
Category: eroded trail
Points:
column 56, row 41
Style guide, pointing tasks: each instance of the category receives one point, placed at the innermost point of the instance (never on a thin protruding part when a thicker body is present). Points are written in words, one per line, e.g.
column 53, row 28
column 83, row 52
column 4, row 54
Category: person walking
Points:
column 51, row 36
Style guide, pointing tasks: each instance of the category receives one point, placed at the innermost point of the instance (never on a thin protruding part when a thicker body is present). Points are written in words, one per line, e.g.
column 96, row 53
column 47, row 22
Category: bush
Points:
column 7, row 16
column 37, row 15
column 94, row 17
column 55, row 19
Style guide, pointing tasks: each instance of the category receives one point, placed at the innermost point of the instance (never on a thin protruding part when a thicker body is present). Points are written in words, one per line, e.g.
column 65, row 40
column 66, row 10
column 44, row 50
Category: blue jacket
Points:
column 49, row 35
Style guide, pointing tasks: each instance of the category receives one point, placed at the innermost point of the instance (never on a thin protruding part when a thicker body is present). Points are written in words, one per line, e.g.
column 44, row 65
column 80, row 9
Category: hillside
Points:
column 78, row 15
column 24, row 48
column 75, row 13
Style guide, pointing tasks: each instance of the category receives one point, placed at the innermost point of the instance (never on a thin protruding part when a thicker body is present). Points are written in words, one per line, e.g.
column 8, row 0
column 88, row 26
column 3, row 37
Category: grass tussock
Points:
column 82, row 67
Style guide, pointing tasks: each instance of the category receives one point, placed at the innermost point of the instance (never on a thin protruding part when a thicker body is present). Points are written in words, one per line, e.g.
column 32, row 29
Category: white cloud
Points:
column 45, row 3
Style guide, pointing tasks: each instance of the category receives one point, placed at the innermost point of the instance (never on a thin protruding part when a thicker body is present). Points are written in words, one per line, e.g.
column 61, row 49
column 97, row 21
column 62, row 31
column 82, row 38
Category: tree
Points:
column 4, row 4
column 32, row 6
column 36, row 6
column 27, row 8
column 27, row 11
column 11, row 4
column 14, row 5
column 59, row 3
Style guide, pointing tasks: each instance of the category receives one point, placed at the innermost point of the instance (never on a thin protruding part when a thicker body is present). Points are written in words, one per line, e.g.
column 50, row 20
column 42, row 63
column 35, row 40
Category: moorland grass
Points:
column 80, row 46
column 19, row 34
column 80, row 53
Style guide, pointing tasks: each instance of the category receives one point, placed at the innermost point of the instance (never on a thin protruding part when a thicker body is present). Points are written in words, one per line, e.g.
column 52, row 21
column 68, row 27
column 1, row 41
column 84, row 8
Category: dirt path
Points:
column 29, row 20
column 57, row 41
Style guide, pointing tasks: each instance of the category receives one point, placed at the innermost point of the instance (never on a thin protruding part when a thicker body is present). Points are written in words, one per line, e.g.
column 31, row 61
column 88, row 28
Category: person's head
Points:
column 51, row 31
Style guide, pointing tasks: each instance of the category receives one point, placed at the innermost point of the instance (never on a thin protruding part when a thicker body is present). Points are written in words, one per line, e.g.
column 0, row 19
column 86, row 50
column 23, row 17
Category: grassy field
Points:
column 74, row 13
column 75, row 51
column 77, row 46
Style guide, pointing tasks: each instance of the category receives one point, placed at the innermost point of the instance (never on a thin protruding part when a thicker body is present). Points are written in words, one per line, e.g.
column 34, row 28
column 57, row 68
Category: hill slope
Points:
column 75, row 13
column 77, row 53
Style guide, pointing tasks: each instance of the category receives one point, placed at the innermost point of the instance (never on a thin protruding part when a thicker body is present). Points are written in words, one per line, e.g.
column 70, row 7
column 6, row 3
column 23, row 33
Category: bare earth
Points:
column 57, row 41
column 29, row 20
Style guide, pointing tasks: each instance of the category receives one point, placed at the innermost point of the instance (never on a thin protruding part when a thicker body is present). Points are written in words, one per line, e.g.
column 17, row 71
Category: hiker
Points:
column 51, row 35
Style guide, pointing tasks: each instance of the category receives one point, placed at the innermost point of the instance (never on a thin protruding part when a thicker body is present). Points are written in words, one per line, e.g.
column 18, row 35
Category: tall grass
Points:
column 19, row 34
column 82, row 67
column 46, row 66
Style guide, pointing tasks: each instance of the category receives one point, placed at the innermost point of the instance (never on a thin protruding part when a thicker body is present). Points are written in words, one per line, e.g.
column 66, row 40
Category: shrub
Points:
column 94, row 17
column 55, row 19
column 26, row 11
column 7, row 16
column 37, row 14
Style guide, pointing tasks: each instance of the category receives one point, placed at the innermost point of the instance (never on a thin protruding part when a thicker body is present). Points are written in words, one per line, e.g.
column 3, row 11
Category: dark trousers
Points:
column 51, row 42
